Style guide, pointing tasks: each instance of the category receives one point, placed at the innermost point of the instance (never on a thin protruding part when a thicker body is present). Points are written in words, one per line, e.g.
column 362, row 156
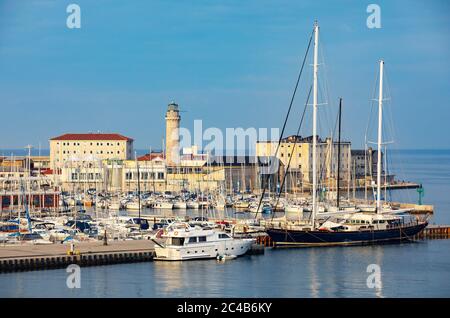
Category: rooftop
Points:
column 151, row 156
column 172, row 106
column 92, row 136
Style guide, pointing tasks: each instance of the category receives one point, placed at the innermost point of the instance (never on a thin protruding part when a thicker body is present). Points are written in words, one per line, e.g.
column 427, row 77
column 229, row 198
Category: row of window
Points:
column 144, row 176
column 91, row 152
column 86, row 176
column 92, row 144
column 9, row 175
column 183, row 170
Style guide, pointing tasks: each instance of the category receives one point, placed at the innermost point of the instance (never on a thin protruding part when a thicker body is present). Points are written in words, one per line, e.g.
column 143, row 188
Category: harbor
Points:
column 236, row 153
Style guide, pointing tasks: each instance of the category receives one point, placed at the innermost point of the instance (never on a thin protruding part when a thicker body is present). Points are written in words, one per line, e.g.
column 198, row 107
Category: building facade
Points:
column 89, row 147
column 295, row 154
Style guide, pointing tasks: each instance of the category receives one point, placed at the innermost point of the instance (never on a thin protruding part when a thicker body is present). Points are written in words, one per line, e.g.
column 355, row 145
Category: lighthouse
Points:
column 172, row 134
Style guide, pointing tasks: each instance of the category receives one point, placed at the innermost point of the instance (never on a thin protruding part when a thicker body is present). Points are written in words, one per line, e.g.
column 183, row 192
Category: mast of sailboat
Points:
column 339, row 155
column 380, row 136
column 138, row 187
column 315, row 66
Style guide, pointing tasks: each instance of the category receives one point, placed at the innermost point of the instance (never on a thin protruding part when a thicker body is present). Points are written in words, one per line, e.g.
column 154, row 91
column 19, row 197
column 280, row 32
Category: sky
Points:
column 230, row 63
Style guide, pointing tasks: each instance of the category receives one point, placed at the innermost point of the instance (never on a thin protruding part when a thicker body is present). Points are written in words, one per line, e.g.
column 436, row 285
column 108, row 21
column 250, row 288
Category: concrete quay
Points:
column 37, row 257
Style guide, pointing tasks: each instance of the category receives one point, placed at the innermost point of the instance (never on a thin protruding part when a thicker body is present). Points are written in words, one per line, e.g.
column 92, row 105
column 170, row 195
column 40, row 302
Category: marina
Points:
column 224, row 151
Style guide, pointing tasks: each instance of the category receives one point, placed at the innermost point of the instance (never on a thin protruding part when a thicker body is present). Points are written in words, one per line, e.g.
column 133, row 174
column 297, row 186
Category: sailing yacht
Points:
column 346, row 228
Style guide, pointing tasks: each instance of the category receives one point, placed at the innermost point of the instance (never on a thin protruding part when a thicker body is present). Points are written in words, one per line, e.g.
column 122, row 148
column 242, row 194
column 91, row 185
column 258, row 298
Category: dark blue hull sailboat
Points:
column 328, row 238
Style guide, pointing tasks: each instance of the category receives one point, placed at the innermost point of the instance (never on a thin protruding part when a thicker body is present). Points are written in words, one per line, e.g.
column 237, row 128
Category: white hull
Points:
column 163, row 205
column 293, row 209
column 207, row 250
column 115, row 206
column 192, row 205
column 133, row 206
column 180, row 205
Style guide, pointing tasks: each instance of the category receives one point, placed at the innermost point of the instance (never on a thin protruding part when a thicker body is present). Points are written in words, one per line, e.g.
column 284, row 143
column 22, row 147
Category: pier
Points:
column 435, row 232
column 38, row 257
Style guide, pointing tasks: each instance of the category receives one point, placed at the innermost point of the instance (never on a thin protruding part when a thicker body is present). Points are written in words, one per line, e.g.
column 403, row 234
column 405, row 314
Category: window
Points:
column 193, row 240
column 223, row 236
column 202, row 239
column 178, row 241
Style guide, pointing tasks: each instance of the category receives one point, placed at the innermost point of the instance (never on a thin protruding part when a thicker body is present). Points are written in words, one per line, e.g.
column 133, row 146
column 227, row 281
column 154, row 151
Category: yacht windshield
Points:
column 178, row 241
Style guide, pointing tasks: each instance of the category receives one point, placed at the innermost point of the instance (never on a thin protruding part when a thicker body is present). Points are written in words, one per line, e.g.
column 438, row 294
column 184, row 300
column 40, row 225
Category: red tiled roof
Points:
column 92, row 136
column 150, row 157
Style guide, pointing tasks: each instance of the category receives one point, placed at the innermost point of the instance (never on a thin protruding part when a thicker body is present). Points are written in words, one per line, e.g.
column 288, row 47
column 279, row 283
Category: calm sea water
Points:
column 407, row 270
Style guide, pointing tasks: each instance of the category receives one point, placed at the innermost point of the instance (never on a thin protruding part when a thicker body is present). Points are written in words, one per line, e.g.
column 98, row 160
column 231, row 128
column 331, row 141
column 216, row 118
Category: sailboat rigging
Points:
column 345, row 228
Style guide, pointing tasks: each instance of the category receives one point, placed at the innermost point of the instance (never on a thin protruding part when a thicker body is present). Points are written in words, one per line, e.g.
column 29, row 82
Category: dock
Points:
column 433, row 232
column 28, row 257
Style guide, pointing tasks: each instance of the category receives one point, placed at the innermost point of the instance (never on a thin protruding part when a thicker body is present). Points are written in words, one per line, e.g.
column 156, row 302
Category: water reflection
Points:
column 379, row 262
column 314, row 285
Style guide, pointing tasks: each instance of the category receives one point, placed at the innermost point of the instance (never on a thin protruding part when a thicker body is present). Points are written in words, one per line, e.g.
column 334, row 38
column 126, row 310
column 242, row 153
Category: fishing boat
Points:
column 185, row 242
column 346, row 228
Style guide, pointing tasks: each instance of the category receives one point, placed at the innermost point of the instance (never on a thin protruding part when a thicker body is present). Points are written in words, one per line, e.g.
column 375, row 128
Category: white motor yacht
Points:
column 184, row 242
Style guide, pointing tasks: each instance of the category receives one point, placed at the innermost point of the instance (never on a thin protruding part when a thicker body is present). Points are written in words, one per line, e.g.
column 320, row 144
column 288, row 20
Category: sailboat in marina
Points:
column 343, row 228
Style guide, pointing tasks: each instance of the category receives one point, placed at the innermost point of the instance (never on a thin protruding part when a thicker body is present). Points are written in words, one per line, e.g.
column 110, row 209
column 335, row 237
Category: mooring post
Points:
column 105, row 239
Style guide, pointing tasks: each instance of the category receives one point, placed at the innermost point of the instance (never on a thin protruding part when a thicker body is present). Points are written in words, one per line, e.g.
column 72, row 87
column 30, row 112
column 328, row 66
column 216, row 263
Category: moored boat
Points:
column 184, row 242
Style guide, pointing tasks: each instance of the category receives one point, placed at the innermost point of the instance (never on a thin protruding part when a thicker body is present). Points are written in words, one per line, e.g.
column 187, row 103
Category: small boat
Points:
column 266, row 208
column 160, row 204
column 293, row 208
column 223, row 258
column 186, row 242
column 192, row 205
column 179, row 205
column 241, row 205
column 115, row 205
column 134, row 206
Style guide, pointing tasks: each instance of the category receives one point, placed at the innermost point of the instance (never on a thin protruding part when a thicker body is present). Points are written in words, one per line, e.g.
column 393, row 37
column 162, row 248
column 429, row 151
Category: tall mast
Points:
column 314, row 190
column 138, row 187
column 339, row 156
column 380, row 136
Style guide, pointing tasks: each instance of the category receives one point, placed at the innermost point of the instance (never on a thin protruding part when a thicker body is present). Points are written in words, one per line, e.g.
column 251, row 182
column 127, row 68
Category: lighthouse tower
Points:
column 172, row 134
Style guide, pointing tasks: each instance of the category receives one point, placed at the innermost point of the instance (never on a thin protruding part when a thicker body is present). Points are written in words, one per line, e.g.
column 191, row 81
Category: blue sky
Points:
column 230, row 63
